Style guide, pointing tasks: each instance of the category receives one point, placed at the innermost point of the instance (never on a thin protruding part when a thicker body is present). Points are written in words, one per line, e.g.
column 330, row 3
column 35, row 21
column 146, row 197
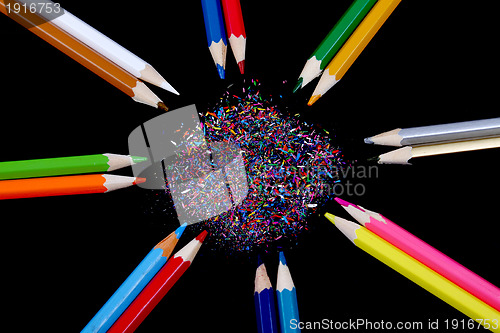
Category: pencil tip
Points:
column 138, row 159
column 282, row 258
column 343, row 202
column 222, row 72
column 167, row 86
column 373, row 159
column 330, row 217
column 139, row 180
column 201, row 237
column 162, row 106
column 259, row 260
column 368, row 141
column 298, row 85
column 313, row 99
column 241, row 65
column 180, row 230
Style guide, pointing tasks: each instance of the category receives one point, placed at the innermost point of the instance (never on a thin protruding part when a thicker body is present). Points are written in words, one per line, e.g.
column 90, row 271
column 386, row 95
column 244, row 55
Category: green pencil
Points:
column 334, row 41
column 66, row 165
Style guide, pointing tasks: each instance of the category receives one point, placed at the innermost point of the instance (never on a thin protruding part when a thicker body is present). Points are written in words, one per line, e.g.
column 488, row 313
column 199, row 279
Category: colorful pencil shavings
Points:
column 291, row 168
column 133, row 285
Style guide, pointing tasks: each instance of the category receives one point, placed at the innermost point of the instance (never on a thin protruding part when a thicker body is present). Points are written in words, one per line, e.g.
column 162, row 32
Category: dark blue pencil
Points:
column 216, row 34
column 264, row 301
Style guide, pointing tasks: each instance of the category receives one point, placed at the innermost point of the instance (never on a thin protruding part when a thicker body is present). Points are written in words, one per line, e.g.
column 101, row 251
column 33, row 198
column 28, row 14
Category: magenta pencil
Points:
column 426, row 254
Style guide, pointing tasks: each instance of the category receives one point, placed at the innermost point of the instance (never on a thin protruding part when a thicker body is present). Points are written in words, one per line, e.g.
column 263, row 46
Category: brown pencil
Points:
column 84, row 55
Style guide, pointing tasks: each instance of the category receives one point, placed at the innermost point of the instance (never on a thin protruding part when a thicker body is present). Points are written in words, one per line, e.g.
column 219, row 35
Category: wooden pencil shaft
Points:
column 64, row 185
column 342, row 30
column 102, row 44
column 416, row 272
column 60, row 166
column 82, row 54
column 455, row 147
column 459, row 131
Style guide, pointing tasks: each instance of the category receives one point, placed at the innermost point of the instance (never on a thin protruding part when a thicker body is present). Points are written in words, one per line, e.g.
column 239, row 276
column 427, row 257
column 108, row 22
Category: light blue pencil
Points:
column 134, row 284
column 287, row 299
column 216, row 33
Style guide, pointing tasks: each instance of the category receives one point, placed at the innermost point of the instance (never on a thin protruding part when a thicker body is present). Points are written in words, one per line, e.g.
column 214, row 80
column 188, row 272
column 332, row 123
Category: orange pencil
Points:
column 65, row 185
column 84, row 55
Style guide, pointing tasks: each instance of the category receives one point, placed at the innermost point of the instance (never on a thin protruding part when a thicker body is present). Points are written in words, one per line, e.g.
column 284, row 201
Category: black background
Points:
column 432, row 62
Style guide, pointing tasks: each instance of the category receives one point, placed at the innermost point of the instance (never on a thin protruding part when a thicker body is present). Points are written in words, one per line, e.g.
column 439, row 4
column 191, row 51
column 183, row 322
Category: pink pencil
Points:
column 426, row 254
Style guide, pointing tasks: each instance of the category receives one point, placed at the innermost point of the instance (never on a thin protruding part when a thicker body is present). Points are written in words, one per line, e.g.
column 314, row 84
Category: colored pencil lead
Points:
column 162, row 106
column 298, row 85
column 139, row 180
column 241, row 66
column 313, row 99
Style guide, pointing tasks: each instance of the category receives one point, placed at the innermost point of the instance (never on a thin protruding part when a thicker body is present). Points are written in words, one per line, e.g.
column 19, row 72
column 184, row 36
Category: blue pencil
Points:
column 287, row 298
column 264, row 301
column 216, row 34
column 133, row 285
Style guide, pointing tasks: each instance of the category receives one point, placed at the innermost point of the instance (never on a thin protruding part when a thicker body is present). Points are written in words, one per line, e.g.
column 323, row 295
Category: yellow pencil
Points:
column 354, row 46
column 419, row 273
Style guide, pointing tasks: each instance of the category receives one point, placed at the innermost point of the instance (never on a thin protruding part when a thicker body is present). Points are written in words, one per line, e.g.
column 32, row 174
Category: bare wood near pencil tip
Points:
column 143, row 94
column 149, row 74
column 389, row 138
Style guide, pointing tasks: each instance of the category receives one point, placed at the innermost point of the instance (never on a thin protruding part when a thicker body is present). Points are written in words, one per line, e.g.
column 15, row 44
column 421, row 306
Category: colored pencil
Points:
column 403, row 155
column 417, row 272
column 158, row 287
column 86, row 56
column 426, row 254
column 66, row 165
column 64, row 185
column 353, row 47
column 264, row 301
column 235, row 30
column 286, row 295
column 133, row 285
column 333, row 41
column 216, row 36
column 466, row 130
column 106, row 47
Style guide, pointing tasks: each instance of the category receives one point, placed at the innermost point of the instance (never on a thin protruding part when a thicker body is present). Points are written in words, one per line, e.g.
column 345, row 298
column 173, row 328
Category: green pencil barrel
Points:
column 54, row 166
column 342, row 30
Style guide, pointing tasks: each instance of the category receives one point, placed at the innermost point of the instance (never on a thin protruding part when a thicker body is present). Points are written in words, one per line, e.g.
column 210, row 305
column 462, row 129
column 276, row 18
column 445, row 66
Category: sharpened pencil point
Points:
column 241, row 65
column 298, row 85
column 162, row 106
column 343, row 202
column 138, row 159
column 139, row 180
column 259, row 260
column 180, row 230
column 313, row 99
column 282, row 258
column 330, row 217
column 221, row 71
column 368, row 141
column 373, row 159
column 201, row 237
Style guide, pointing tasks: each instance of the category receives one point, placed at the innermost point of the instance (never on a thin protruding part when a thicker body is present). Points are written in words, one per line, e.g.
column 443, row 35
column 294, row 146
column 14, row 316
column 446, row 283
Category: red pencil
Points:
column 158, row 287
column 235, row 30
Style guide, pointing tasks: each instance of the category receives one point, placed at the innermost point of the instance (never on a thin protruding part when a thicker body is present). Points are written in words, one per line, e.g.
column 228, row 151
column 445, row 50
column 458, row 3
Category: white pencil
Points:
column 466, row 130
column 403, row 155
column 105, row 46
